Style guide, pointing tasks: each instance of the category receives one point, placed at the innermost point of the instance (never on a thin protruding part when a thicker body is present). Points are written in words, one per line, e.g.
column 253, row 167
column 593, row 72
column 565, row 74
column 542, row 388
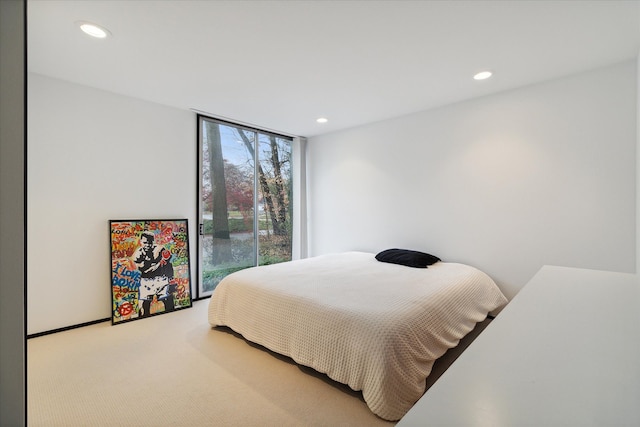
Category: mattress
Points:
column 374, row 326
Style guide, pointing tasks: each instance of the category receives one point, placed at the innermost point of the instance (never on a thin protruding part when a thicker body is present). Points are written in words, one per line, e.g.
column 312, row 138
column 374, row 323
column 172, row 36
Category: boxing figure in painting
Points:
column 156, row 275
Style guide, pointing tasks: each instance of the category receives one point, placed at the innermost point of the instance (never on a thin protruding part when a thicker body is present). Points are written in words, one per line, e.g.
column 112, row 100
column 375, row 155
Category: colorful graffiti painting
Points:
column 149, row 268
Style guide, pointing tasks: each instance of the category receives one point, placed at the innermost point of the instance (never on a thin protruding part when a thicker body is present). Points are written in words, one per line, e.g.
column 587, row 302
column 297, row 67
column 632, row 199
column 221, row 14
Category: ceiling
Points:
column 280, row 65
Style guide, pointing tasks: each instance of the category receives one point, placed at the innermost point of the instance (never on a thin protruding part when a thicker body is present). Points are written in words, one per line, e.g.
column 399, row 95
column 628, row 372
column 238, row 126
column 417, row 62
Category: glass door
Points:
column 227, row 222
column 245, row 200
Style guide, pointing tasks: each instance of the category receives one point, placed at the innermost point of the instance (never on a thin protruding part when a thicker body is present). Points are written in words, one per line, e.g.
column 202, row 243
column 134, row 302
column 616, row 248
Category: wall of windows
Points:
column 245, row 202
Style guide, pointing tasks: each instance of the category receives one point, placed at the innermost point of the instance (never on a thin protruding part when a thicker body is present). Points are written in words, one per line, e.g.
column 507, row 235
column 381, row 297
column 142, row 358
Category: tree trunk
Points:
column 220, row 220
column 280, row 190
column 264, row 186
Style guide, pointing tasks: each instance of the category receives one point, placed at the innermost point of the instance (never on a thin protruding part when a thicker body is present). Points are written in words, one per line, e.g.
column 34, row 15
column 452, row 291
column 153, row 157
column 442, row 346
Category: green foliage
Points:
column 211, row 278
column 272, row 259
column 273, row 250
column 236, row 225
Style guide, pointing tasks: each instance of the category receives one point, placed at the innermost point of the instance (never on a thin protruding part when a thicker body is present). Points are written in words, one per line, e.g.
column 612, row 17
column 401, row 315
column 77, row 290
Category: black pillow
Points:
column 407, row 257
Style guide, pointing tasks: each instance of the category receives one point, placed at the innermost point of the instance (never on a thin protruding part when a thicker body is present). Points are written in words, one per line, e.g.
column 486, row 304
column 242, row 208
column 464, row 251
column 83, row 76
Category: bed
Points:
column 375, row 326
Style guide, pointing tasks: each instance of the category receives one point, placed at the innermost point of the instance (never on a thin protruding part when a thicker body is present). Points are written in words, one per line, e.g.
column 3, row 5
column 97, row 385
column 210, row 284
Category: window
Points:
column 245, row 200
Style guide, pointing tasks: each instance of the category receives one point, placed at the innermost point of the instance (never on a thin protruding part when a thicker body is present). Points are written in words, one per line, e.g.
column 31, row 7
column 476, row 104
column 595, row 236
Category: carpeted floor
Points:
column 175, row 370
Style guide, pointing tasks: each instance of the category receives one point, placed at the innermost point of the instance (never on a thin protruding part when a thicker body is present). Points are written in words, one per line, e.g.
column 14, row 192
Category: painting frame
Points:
column 150, row 268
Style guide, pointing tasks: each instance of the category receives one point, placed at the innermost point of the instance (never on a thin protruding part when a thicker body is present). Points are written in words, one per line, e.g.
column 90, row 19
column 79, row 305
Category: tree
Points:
column 280, row 191
column 239, row 190
column 220, row 220
column 274, row 192
column 228, row 186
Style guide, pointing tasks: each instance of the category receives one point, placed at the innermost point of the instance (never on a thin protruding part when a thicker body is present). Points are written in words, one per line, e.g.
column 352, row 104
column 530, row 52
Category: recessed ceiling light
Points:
column 93, row 30
column 322, row 120
column 482, row 75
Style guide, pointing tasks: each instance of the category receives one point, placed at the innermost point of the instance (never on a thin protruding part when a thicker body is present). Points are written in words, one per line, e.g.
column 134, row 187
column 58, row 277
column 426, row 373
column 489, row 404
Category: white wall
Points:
column 539, row 175
column 95, row 156
column 544, row 174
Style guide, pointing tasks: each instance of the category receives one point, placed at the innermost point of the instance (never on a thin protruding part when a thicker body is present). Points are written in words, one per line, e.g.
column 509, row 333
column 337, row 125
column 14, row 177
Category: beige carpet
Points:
column 174, row 370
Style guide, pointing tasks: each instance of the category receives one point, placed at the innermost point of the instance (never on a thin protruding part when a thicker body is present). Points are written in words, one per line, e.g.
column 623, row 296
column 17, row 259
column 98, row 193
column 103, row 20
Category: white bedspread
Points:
column 374, row 326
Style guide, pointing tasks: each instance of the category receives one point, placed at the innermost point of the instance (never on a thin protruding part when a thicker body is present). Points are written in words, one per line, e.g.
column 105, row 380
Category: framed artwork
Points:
column 150, row 272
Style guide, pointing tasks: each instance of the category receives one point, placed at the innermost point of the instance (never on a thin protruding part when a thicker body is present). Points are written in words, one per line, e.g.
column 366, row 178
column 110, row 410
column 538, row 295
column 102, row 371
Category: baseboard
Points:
column 81, row 325
column 67, row 328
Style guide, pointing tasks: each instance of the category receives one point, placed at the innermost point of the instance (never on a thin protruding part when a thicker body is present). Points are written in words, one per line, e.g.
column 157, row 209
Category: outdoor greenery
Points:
column 230, row 177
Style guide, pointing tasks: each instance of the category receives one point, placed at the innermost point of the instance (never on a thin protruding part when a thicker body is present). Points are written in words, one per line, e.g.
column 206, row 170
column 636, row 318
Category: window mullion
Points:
column 256, row 211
